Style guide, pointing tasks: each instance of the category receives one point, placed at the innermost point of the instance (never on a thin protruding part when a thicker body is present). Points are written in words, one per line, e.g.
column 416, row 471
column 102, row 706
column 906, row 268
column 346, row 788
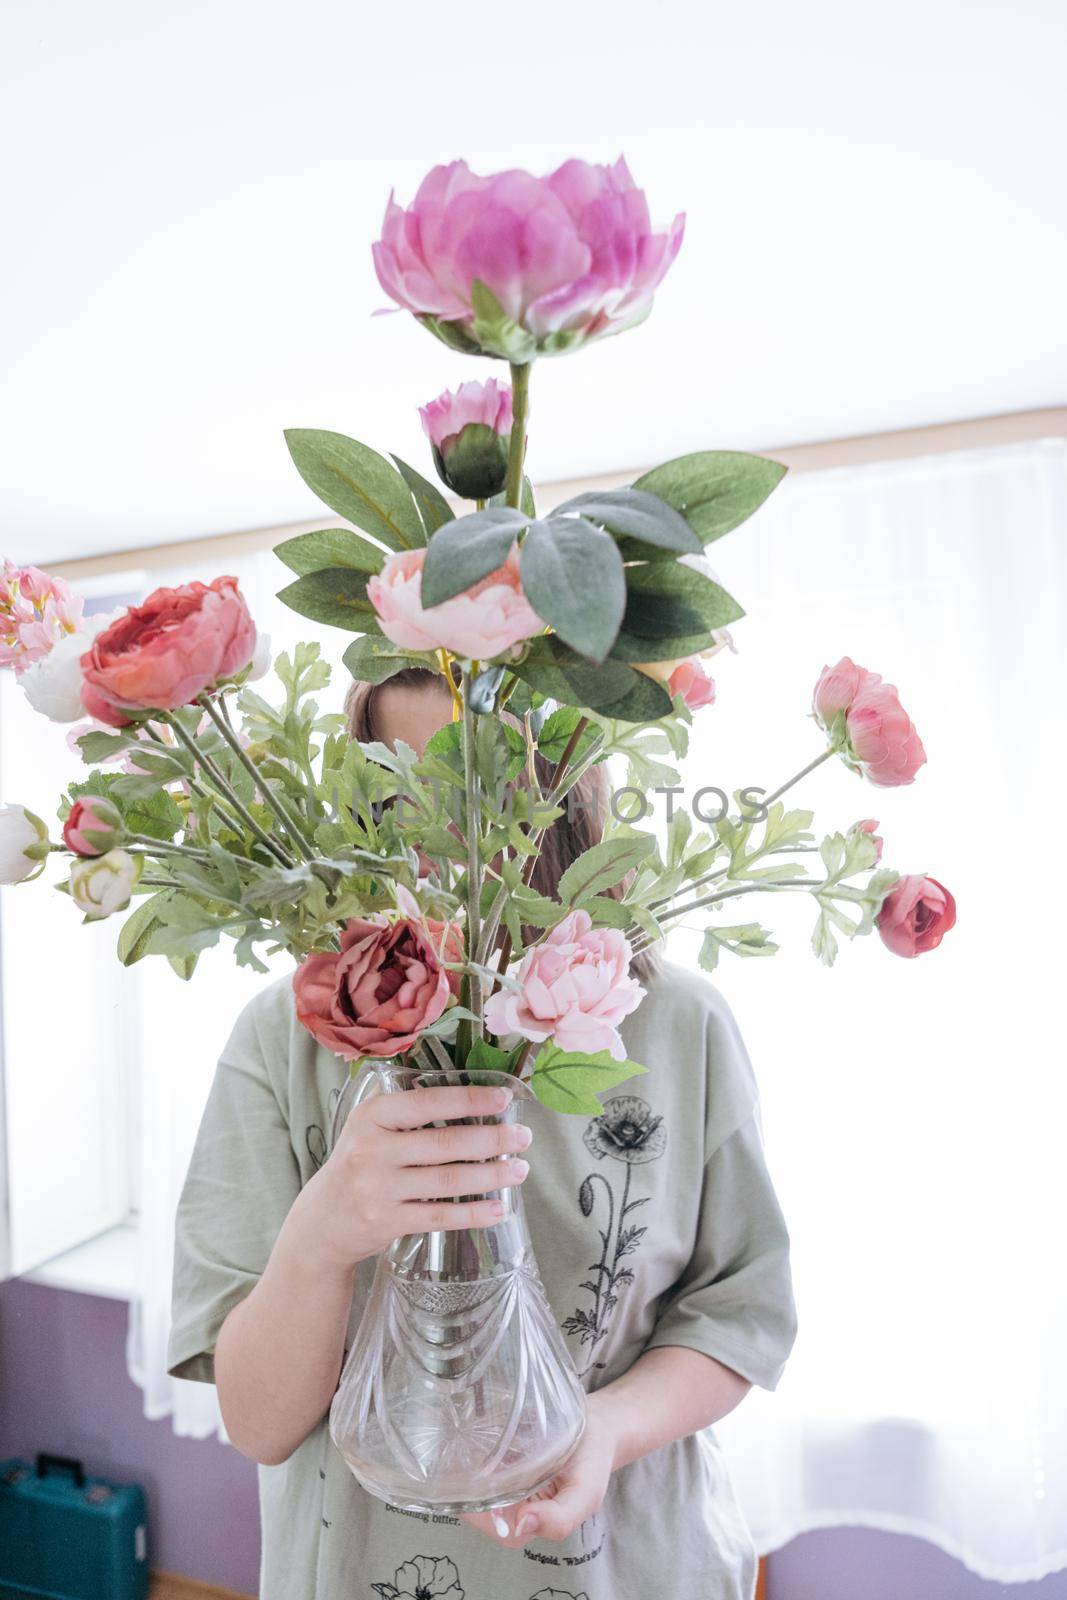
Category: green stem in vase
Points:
column 221, row 783
column 469, row 1031
column 303, row 844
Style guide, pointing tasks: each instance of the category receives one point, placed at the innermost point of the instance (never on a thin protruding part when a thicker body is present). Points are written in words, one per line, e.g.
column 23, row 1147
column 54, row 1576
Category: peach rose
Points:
column 575, row 990
column 915, row 916
column 164, row 652
column 385, row 985
column 93, row 826
column 693, row 684
column 868, row 724
column 485, row 621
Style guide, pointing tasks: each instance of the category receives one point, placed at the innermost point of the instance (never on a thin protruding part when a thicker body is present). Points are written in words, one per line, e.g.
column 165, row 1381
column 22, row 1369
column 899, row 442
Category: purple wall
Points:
column 64, row 1388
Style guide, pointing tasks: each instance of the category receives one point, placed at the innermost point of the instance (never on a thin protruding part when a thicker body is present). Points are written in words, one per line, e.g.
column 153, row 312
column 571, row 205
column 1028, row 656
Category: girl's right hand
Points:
column 389, row 1174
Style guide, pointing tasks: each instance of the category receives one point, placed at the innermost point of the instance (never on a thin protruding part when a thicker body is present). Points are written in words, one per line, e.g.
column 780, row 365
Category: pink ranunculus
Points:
column 570, row 256
column 576, row 989
column 385, row 985
column 869, row 825
column 915, row 916
column 865, row 719
column 36, row 610
column 693, row 684
column 93, row 826
column 486, row 621
column 163, row 653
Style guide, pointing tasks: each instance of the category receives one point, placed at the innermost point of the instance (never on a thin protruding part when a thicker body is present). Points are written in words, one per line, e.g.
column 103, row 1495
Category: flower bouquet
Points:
column 405, row 882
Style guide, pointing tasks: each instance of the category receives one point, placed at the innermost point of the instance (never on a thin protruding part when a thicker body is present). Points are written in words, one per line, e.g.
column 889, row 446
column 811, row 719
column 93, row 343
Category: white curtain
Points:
column 914, row 1110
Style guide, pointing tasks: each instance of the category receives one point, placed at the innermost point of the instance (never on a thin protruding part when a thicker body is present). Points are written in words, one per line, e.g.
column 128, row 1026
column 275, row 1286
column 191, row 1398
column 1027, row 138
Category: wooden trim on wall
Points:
column 1016, row 427
column 171, row 1586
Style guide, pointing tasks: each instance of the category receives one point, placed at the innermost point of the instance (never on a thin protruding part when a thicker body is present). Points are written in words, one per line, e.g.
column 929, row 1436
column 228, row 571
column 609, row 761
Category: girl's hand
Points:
column 390, row 1174
column 573, row 1495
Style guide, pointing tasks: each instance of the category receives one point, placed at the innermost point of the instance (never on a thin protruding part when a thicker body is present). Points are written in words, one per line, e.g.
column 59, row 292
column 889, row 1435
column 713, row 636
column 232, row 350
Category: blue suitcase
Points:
column 65, row 1536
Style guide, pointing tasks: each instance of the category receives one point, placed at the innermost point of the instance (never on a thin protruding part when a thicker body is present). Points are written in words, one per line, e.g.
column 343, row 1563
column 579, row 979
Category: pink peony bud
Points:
column 93, row 826
column 915, row 916
column 867, row 724
column 485, row 621
column 869, row 825
column 576, row 988
column 570, row 257
column 469, row 431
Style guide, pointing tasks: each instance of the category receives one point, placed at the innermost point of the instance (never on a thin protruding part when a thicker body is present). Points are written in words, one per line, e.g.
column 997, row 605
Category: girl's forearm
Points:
column 279, row 1352
column 669, row 1392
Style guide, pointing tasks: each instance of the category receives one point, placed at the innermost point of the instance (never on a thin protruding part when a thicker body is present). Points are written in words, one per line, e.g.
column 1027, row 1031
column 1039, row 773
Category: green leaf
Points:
column 823, row 941
column 570, row 1081
column 606, row 912
column 329, row 547
column 715, row 490
column 431, row 504
column 573, row 576
column 636, row 513
column 603, row 866
column 372, row 660
column 559, row 673
column 497, row 333
column 97, row 746
column 486, row 1057
column 467, row 550
column 556, row 733
column 135, row 931
column 359, row 484
column 334, row 595
column 671, row 610
column 744, row 939
column 145, row 807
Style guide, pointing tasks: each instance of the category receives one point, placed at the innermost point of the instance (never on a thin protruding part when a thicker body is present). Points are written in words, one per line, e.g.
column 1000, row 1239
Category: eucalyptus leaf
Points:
column 573, row 577
column 468, row 549
column 329, row 547
column 637, row 513
column 432, row 506
column 359, row 484
column 715, row 490
column 334, row 595
column 372, row 659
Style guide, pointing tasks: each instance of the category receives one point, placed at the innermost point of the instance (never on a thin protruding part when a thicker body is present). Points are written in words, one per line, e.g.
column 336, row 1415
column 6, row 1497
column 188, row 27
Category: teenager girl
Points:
column 660, row 1242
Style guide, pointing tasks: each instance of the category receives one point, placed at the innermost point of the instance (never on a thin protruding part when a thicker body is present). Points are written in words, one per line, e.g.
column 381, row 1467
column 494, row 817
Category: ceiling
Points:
column 875, row 234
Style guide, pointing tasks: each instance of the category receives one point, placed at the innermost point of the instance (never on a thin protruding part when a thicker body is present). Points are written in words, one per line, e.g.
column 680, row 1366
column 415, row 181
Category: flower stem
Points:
column 167, row 847
column 520, row 409
column 469, row 1031
column 765, row 885
column 303, row 844
column 221, row 783
column 819, row 759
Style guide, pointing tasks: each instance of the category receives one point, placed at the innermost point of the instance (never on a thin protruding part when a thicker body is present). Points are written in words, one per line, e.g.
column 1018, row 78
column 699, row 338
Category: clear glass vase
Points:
column 459, row 1393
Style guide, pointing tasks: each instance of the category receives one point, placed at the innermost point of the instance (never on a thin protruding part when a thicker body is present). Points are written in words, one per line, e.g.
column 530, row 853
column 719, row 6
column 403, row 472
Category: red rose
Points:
column 163, row 653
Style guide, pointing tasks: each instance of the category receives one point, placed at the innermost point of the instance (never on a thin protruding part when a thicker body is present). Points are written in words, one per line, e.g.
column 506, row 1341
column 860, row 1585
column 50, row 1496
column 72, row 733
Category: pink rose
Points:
column 869, row 825
column 485, row 621
column 36, row 611
column 93, row 826
column 385, row 986
column 575, row 990
column 693, row 684
column 915, row 916
column 865, row 719
column 164, row 652
column 573, row 253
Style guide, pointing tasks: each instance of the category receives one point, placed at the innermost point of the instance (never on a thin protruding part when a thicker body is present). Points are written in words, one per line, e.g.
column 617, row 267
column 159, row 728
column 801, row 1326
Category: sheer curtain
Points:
column 914, row 1110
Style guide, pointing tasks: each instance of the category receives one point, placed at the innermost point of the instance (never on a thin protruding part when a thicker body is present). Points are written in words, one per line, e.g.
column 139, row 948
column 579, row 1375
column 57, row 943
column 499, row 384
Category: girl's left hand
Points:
column 573, row 1495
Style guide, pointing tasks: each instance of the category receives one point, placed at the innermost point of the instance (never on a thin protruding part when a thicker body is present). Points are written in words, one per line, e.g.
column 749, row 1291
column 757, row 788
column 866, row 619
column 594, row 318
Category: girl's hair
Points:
column 579, row 828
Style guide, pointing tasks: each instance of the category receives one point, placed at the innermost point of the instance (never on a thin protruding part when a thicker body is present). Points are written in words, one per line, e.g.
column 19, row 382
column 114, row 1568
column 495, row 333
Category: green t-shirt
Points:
column 683, row 1216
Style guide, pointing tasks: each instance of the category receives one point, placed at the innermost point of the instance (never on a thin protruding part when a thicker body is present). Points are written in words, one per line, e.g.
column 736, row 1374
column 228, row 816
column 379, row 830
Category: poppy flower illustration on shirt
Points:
column 627, row 1130
column 558, row 1594
column 423, row 1578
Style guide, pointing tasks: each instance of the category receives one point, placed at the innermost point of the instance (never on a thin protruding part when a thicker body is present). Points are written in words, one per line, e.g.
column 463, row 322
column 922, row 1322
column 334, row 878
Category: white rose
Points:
column 19, row 829
column 53, row 684
column 261, row 658
column 103, row 884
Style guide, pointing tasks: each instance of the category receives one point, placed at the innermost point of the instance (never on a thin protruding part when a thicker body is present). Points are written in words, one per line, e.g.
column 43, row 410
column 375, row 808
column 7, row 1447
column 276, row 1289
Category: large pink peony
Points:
column 573, row 253
column 385, row 985
column 485, row 621
column 163, row 653
column 576, row 989
column 875, row 735
column 915, row 916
